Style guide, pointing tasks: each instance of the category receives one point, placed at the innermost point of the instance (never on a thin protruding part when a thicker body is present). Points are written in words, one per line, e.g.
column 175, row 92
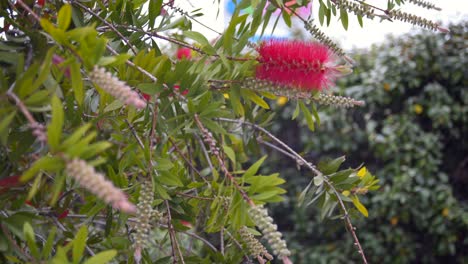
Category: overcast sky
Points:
column 373, row 31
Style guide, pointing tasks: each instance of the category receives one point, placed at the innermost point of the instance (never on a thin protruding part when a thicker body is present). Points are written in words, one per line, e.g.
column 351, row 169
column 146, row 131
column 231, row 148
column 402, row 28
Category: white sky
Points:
column 373, row 31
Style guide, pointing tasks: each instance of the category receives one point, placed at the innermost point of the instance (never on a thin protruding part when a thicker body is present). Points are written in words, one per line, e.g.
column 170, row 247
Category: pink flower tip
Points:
column 299, row 65
column 125, row 206
column 184, row 53
column 443, row 29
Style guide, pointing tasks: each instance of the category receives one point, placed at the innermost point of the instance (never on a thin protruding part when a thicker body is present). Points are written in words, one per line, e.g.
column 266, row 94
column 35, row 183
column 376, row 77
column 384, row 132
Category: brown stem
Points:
column 38, row 129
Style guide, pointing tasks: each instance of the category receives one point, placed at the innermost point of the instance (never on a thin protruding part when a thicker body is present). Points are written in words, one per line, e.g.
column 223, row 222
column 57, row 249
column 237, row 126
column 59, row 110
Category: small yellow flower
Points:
column 226, row 96
column 282, row 100
column 386, row 87
column 346, row 193
column 394, row 221
column 445, row 212
column 418, row 109
column 362, row 172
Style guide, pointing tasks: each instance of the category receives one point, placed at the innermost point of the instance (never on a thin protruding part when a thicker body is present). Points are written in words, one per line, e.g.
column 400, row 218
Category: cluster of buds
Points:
column 269, row 230
column 38, row 130
column 425, row 4
column 225, row 201
column 360, row 9
column 253, row 246
column 209, row 139
column 96, row 183
column 319, row 35
column 116, row 87
column 338, row 101
column 416, row 20
column 277, row 89
column 144, row 216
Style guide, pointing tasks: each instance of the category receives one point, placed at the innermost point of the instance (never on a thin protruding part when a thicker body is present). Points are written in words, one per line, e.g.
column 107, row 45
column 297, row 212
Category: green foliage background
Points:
column 200, row 146
column 414, row 132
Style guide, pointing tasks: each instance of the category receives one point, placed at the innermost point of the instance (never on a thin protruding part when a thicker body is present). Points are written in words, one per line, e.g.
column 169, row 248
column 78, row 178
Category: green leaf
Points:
column 46, row 163
column 198, row 37
column 59, row 181
column 31, row 240
column 154, row 9
column 47, row 249
column 114, row 60
column 163, row 164
column 230, row 153
column 344, row 18
column 307, row 115
column 4, row 125
column 102, row 257
column 318, row 180
column 44, row 71
column 359, row 18
column 361, row 208
column 252, row 170
column 322, row 10
column 64, row 17
column 73, row 138
column 54, row 130
column 296, row 111
column 252, row 96
column 79, row 244
column 234, row 97
column 316, row 115
column 170, row 179
column 327, row 166
column 77, row 82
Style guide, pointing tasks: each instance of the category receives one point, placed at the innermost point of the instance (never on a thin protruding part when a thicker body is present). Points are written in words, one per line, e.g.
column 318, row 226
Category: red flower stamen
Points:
column 299, row 65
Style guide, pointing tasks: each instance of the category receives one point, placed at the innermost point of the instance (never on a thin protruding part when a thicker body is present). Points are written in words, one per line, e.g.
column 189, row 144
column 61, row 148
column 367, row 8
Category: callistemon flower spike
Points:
column 304, row 66
column 274, row 88
column 97, row 184
column 253, row 246
column 270, row 231
column 144, row 216
column 116, row 87
column 337, row 101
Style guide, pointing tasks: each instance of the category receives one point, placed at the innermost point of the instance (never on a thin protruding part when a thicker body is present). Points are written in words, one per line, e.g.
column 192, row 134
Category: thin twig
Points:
column 187, row 160
column 205, row 153
column 132, row 129
column 215, row 151
column 38, row 129
column 177, row 42
column 195, row 197
column 15, row 245
column 298, row 158
column 174, row 244
column 25, row 6
column 108, row 24
column 221, row 241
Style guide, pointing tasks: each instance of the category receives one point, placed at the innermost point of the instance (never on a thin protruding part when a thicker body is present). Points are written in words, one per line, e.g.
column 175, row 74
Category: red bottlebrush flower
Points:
column 57, row 60
column 177, row 87
column 301, row 65
column 63, row 215
column 41, row 3
column 9, row 182
column 184, row 53
column 146, row 96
